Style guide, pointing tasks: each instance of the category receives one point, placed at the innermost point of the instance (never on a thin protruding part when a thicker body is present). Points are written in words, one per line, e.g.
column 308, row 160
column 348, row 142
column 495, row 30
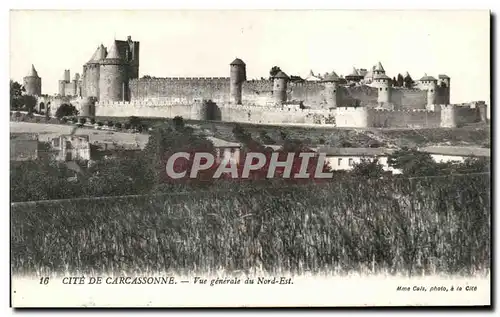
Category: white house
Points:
column 226, row 151
column 443, row 154
column 345, row 158
column 71, row 147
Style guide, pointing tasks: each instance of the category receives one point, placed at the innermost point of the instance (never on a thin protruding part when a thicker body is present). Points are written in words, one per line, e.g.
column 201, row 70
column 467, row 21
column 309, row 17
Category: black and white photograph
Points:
column 250, row 158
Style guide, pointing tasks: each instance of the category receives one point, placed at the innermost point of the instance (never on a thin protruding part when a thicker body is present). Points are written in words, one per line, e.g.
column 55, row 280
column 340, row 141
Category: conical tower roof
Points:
column 428, row 78
column 99, row 54
column 113, row 51
column 237, row 61
column 32, row 72
column 281, row 74
column 379, row 67
column 354, row 72
column 331, row 76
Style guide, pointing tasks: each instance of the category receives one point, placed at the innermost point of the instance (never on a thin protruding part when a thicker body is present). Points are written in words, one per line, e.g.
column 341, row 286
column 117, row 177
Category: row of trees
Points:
column 401, row 81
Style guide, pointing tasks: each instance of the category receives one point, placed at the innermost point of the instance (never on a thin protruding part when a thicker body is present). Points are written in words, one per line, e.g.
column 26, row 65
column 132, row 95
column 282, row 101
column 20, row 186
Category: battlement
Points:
column 144, row 103
column 402, row 111
column 405, row 89
column 181, row 79
column 352, row 109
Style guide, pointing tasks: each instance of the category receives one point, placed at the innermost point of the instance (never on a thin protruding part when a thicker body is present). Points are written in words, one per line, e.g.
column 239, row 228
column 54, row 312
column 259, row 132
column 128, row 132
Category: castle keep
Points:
column 110, row 86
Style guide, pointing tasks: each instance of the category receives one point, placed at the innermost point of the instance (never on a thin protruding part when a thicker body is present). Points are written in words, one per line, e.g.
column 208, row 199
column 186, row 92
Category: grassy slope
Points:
column 477, row 135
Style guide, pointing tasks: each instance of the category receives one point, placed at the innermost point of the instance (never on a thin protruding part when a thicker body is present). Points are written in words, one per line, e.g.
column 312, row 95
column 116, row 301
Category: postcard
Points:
column 250, row 158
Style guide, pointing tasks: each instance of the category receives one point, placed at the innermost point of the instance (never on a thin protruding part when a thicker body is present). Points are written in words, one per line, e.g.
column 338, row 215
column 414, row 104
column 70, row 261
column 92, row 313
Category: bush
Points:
column 92, row 121
column 82, row 120
column 126, row 126
column 66, row 110
column 118, row 125
column 100, row 124
column 109, row 124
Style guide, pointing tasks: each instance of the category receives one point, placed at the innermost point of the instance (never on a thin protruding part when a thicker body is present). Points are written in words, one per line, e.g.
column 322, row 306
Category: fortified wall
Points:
column 260, row 92
column 353, row 117
column 444, row 116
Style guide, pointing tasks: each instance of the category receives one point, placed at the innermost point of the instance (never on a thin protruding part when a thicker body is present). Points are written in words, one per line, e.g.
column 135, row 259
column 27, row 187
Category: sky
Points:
column 203, row 43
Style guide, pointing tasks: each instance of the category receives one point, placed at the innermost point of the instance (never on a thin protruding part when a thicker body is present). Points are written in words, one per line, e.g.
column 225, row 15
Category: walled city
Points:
column 110, row 86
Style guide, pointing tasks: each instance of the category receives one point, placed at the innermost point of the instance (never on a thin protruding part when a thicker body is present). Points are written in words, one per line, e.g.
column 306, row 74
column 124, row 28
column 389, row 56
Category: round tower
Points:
column 62, row 86
column 113, row 80
column 87, row 107
column 280, row 81
column 91, row 73
column 444, row 85
column 429, row 83
column 237, row 77
column 383, row 84
column 332, row 93
column 33, row 83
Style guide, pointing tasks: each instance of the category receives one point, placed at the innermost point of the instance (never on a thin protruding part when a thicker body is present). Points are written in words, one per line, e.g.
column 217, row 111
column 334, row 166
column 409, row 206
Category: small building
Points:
column 23, row 147
column 345, row 158
column 444, row 154
column 71, row 148
column 226, row 151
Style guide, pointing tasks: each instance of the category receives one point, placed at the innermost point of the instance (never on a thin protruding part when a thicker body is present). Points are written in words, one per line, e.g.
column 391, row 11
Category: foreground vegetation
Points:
column 418, row 226
column 434, row 218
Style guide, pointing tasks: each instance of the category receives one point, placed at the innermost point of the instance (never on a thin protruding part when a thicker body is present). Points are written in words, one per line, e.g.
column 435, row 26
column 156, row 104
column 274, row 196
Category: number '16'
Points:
column 44, row 280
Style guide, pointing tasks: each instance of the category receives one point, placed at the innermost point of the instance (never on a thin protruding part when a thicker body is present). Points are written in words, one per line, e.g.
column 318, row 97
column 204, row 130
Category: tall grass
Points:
column 417, row 226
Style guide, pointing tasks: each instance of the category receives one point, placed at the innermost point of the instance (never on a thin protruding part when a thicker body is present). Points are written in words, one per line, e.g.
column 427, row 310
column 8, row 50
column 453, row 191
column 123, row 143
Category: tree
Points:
column 66, row 110
column 163, row 143
column 16, row 91
column 400, row 80
column 413, row 163
column 368, row 169
column 408, row 82
column 178, row 123
column 134, row 121
column 29, row 103
column 274, row 70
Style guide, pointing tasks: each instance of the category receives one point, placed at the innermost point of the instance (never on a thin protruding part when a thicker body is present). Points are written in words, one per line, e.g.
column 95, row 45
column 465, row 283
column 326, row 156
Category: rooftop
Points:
column 32, row 72
column 428, row 78
column 379, row 67
column 457, row 151
column 238, row 61
column 331, row 77
column 113, row 52
column 331, row 151
column 99, row 54
column 381, row 76
column 23, row 149
column 219, row 143
column 281, row 74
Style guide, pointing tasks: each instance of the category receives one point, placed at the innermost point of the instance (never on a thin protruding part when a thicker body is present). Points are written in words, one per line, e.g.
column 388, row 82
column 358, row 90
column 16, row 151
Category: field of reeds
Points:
column 416, row 226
